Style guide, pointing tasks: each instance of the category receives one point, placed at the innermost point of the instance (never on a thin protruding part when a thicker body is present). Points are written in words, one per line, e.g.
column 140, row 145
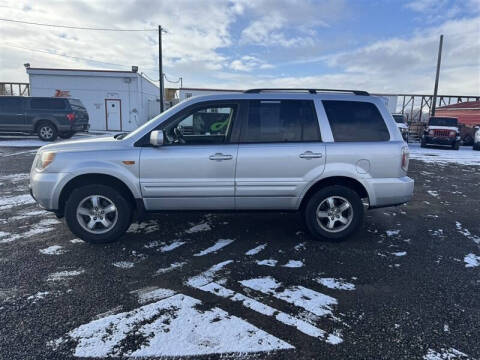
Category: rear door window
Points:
column 355, row 121
column 47, row 104
column 11, row 105
column 280, row 121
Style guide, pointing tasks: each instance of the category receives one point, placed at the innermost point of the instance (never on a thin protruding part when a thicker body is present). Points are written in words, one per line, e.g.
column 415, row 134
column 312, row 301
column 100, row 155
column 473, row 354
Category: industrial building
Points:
column 115, row 100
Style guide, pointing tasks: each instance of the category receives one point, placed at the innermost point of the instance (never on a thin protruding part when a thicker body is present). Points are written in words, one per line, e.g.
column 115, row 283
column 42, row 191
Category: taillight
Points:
column 405, row 158
column 71, row 117
column 453, row 133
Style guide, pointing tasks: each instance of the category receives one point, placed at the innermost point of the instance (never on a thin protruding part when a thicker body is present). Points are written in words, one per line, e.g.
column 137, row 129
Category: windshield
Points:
column 399, row 119
column 442, row 121
column 140, row 129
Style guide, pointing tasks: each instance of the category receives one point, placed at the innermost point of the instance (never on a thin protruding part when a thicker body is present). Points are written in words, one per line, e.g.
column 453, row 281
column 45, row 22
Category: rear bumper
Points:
column 390, row 191
column 74, row 127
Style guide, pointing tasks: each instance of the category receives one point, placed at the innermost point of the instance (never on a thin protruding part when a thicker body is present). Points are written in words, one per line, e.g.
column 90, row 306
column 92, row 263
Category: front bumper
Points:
column 439, row 140
column 44, row 188
column 390, row 191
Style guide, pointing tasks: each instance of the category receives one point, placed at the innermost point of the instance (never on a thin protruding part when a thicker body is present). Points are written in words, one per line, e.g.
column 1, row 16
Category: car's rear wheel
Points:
column 334, row 213
column 66, row 135
column 456, row 145
column 98, row 213
column 47, row 131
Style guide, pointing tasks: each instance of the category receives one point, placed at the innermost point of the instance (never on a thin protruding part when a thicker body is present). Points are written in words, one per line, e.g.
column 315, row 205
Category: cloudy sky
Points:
column 376, row 45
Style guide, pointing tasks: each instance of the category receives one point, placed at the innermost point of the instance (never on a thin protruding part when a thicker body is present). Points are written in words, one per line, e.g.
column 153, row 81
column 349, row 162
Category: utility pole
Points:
column 160, row 67
column 435, row 90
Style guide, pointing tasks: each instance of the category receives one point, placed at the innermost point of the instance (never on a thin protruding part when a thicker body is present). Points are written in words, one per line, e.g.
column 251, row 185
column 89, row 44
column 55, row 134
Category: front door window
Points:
column 209, row 125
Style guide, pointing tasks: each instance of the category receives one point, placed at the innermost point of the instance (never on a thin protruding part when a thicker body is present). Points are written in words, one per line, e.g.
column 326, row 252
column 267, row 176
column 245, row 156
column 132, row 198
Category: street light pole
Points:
column 435, row 90
column 160, row 66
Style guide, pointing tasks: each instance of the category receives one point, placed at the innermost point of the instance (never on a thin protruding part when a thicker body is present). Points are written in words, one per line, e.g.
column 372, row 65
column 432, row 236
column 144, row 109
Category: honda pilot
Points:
column 322, row 153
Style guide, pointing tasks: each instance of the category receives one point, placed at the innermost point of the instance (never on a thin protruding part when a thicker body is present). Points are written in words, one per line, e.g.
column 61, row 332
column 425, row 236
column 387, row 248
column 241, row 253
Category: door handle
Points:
column 220, row 157
column 310, row 155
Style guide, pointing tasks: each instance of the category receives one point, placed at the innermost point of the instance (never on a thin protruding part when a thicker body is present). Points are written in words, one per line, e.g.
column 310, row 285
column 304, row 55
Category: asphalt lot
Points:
column 406, row 286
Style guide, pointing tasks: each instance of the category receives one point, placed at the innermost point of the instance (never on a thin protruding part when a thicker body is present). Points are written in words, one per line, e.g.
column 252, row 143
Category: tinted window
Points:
column 281, row 121
column 399, row 119
column 355, row 121
column 11, row 105
column 76, row 104
column 439, row 121
column 51, row 104
column 208, row 125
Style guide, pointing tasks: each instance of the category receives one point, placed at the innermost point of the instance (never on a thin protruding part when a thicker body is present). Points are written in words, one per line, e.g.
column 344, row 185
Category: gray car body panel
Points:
column 258, row 176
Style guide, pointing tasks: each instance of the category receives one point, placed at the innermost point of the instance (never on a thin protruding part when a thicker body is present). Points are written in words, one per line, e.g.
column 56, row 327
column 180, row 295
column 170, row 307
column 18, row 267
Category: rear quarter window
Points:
column 48, row 104
column 352, row 121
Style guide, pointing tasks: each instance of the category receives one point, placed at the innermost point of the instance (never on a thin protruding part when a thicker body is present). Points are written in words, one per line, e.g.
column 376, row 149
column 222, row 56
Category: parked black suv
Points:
column 47, row 117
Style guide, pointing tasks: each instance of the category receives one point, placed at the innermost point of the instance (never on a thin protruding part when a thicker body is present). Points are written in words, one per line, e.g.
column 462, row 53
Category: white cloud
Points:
column 249, row 63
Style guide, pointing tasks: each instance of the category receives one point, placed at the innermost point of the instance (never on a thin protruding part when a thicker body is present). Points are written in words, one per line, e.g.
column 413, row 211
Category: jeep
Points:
column 44, row 116
column 324, row 153
column 441, row 131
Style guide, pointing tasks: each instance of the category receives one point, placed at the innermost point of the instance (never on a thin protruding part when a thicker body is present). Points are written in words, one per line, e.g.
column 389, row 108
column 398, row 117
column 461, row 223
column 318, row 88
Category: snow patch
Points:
column 471, row 260
column 434, row 193
column 308, row 299
column 464, row 156
column 64, row 275
column 207, row 276
column 173, row 266
column 392, row 232
column 77, row 241
column 445, row 354
column 333, row 283
column 53, row 250
column 293, row 264
column 152, row 294
column 171, row 246
column 267, row 262
column 38, row 296
column 124, row 264
column 171, row 327
column 465, row 232
column 198, row 228
column 218, row 245
column 256, row 250
column 399, row 253
column 17, row 200
column 252, row 304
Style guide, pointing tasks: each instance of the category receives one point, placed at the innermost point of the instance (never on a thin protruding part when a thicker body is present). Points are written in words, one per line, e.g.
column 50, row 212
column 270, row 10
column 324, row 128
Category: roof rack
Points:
column 311, row 91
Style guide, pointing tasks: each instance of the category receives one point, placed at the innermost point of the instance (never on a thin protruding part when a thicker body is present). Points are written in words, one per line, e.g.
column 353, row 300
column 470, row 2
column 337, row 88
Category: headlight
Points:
column 453, row 133
column 45, row 159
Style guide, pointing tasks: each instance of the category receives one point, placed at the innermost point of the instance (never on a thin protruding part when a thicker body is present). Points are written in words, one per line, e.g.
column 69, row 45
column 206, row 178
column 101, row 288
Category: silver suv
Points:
column 321, row 152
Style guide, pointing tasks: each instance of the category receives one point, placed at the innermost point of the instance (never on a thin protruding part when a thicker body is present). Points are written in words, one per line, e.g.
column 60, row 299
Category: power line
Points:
column 73, row 27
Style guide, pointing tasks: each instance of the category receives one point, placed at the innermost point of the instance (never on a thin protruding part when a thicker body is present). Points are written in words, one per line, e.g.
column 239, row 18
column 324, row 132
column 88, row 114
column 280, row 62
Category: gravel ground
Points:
column 406, row 286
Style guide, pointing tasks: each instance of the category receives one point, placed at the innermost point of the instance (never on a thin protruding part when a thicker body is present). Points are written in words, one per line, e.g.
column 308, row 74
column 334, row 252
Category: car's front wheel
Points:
column 98, row 213
column 334, row 212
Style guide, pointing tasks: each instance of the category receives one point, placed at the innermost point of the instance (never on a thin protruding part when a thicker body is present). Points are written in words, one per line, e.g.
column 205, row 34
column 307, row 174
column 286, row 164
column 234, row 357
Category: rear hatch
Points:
column 81, row 114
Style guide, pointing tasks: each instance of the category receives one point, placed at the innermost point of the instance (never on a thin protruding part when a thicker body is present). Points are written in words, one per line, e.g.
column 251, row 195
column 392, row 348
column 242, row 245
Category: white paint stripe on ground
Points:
column 217, row 246
column 308, row 299
column 171, row 327
column 263, row 309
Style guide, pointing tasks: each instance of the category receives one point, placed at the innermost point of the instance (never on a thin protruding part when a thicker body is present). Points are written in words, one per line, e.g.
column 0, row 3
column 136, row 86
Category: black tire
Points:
column 476, row 146
column 423, row 143
column 467, row 140
column 123, row 213
column 66, row 135
column 456, row 145
column 319, row 198
column 47, row 131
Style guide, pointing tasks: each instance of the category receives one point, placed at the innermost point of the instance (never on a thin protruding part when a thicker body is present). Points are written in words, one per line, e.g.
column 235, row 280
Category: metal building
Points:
column 115, row 100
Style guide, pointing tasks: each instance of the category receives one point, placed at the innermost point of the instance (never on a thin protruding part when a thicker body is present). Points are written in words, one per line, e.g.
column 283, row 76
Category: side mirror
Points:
column 156, row 138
